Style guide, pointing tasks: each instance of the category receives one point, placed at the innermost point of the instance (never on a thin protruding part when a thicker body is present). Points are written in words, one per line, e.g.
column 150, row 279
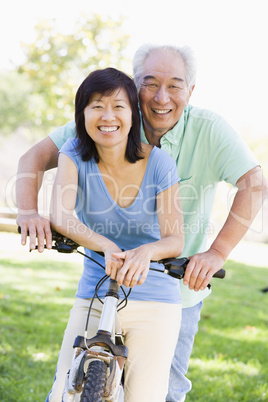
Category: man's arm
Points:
column 252, row 190
column 32, row 165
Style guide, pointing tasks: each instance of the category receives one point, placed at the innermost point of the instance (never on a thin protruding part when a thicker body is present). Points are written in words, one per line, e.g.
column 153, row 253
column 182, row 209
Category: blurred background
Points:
column 47, row 48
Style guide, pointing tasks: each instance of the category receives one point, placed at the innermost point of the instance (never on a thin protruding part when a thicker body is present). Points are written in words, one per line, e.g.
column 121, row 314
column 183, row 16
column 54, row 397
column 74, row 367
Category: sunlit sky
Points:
column 229, row 38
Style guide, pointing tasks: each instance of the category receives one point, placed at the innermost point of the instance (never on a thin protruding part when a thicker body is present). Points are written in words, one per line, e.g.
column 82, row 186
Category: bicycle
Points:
column 105, row 353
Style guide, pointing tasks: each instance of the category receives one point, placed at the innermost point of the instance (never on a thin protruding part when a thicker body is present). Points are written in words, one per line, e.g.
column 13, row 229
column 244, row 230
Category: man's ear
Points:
column 190, row 92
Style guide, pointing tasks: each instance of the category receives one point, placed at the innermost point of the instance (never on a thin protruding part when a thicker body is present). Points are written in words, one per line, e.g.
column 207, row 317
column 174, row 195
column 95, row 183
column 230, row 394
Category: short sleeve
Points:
column 231, row 156
column 61, row 134
column 69, row 149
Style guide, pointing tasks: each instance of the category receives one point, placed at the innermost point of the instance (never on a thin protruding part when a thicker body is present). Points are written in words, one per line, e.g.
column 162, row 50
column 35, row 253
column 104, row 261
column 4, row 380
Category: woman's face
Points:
column 108, row 119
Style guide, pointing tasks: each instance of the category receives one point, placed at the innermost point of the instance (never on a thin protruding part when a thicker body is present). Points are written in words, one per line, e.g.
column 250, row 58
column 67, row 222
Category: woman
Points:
column 125, row 195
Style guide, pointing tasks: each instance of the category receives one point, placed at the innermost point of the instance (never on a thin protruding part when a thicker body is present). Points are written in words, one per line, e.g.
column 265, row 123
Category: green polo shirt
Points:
column 207, row 151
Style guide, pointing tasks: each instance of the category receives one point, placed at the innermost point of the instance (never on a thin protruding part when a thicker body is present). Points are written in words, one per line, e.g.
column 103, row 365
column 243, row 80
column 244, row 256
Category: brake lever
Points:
column 175, row 266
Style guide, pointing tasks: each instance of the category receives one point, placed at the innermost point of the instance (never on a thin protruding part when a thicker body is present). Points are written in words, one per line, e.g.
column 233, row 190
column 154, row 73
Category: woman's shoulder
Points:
column 70, row 145
column 70, row 149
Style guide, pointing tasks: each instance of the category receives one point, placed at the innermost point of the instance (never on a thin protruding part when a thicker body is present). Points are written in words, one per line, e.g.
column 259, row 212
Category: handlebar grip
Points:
column 55, row 235
column 220, row 274
column 177, row 266
column 62, row 244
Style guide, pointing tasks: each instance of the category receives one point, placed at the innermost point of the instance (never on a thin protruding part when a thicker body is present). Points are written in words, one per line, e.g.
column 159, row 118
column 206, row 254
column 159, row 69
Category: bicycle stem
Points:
column 109, row 308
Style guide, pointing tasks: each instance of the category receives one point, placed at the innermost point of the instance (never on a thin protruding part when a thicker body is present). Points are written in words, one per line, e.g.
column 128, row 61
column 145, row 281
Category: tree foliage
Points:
column 14, row 99
column 56, row 63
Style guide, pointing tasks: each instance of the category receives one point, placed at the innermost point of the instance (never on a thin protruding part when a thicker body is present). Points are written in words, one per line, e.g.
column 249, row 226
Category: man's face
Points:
column 163, row 92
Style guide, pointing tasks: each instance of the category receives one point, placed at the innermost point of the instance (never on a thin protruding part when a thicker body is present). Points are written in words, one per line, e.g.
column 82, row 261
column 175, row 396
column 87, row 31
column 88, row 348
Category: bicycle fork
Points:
column 100, row 347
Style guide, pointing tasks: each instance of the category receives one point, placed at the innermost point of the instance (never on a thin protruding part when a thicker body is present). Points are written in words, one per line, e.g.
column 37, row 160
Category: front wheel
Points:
column 95, row 382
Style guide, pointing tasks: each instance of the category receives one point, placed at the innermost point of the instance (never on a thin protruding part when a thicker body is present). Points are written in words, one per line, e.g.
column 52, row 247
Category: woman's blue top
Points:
column 127, row 227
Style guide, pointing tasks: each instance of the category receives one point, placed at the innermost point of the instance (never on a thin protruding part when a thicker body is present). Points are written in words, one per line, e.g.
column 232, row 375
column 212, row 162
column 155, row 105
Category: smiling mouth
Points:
column 106, row 129
column 161, row 111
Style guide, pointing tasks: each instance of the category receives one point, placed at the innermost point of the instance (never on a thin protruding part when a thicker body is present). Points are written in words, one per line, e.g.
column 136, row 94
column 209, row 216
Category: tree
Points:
column 15, row 92
column 57, row 63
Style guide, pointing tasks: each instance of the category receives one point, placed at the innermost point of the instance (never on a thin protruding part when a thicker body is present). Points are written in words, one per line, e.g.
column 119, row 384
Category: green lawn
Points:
column 230, row 357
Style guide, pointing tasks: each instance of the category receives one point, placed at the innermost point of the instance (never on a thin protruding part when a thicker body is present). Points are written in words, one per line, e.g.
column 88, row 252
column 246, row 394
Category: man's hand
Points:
column 201, row 268
column 37, row 227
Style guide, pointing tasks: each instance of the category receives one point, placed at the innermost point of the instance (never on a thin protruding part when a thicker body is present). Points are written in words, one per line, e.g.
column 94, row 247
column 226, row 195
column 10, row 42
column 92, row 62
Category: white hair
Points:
column 185, row 52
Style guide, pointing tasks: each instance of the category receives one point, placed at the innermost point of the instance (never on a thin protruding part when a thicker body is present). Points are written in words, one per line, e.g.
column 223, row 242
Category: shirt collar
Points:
column 173, row 136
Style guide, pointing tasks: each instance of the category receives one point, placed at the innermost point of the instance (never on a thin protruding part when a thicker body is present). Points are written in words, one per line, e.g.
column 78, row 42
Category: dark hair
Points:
column 105, row 82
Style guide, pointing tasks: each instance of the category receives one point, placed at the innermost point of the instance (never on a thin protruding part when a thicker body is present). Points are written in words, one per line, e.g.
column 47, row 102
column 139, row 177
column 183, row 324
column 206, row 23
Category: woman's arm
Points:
column 170, row 218
column 62, row 214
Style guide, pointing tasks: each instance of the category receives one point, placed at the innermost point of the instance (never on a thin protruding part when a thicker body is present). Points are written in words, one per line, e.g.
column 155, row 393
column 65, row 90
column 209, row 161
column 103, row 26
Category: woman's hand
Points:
column 135, row 267
column 112, row 264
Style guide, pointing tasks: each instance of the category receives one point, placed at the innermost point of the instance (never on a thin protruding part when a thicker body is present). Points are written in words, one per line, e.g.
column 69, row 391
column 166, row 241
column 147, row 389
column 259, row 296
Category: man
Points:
column 206, row 151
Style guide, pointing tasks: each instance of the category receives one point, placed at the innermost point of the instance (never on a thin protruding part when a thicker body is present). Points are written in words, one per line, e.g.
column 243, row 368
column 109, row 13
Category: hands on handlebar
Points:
column 201, row 268
column 176, row 267
column 135, row 267
column 35, row 226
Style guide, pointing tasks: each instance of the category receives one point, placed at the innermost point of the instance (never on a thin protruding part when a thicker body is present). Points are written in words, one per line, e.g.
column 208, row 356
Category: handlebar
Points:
column 174, row 267
column 177, row 266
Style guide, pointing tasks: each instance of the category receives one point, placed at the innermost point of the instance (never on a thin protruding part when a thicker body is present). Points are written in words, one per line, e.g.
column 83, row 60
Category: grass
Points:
column 229, row 360
column 228, row 363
